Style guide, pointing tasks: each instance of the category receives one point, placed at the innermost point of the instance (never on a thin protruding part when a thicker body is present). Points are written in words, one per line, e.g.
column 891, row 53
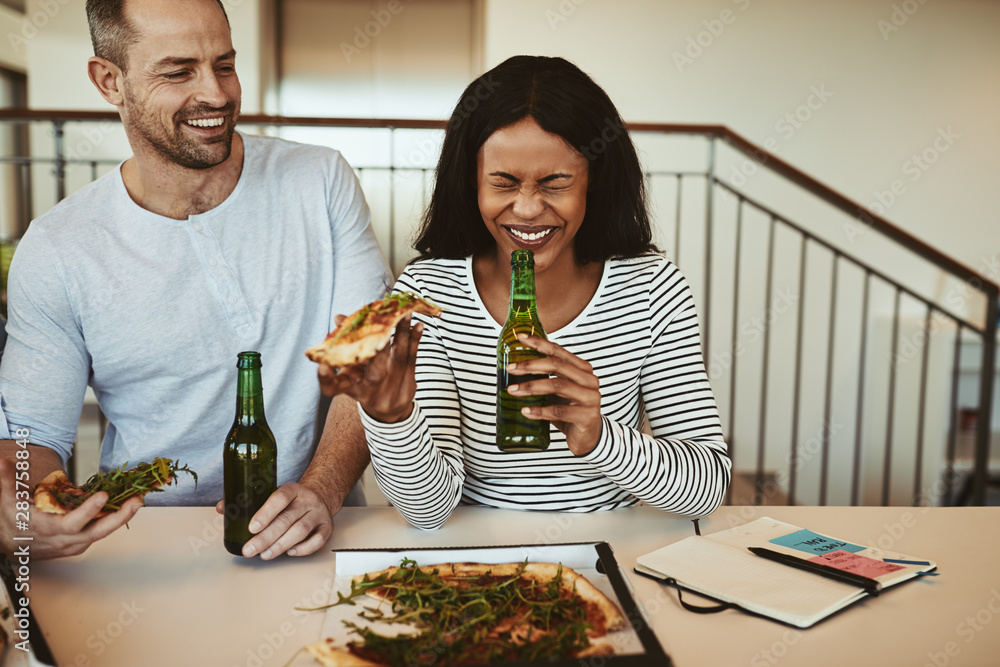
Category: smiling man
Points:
column 147, row 283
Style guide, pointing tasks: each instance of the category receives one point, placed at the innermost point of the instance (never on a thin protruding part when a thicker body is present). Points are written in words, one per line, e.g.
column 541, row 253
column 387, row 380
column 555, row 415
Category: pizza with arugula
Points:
column 474, row 614
column 360, row 336
column 56, row 494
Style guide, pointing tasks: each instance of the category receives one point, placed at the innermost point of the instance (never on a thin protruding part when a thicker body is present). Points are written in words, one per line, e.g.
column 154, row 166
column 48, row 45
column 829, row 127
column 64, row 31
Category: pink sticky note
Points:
column 851, row 562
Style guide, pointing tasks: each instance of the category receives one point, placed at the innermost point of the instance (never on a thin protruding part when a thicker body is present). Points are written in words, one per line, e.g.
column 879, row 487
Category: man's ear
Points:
column 107, row 78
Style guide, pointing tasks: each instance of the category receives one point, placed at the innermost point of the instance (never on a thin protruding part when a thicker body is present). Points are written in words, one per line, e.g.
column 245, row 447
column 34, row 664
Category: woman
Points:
column 536, row 156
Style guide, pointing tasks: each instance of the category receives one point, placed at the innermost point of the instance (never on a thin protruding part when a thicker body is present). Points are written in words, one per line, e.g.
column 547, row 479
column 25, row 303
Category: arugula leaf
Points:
column 387, row 304
column 122, row 484
column 455, row 620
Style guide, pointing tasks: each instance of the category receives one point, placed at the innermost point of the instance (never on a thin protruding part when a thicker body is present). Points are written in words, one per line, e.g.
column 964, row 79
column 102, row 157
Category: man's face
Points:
column 181, row 92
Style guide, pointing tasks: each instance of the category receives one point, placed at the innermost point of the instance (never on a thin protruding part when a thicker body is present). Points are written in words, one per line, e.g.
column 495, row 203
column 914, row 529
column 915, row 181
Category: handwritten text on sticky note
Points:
column 814, row 543
column 852, row 562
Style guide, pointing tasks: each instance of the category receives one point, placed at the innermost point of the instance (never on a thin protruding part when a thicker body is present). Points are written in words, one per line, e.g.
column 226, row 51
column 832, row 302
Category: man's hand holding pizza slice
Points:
column 371, row 356
column 63, row 518
column 57, row 535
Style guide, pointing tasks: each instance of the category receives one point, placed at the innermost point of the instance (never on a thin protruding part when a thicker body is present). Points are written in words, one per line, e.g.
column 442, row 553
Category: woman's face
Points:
column 532, row 192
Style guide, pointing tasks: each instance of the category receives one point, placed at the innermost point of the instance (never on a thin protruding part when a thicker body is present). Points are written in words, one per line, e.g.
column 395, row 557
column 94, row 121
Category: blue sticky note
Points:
column 813, row 543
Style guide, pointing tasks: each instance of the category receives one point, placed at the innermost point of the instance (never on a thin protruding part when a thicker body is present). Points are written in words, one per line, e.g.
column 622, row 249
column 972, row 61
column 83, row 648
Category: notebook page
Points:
column 734, row 574
column 777, row 536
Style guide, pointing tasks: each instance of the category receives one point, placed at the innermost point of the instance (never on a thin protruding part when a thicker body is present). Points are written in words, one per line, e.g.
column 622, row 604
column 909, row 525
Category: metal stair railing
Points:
column 781, row 240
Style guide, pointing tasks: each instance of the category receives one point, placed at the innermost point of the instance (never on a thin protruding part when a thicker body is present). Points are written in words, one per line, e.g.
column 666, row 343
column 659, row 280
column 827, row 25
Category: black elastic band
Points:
column 722, row 606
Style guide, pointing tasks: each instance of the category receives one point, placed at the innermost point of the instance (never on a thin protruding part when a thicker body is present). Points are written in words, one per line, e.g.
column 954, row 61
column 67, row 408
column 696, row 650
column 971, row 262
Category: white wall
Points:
column 57, row 42
column 893, row 81
column 13, row 54
column 355, row 58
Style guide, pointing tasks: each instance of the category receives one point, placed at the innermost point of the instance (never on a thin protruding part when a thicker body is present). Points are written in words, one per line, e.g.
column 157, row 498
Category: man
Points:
column 147, row 283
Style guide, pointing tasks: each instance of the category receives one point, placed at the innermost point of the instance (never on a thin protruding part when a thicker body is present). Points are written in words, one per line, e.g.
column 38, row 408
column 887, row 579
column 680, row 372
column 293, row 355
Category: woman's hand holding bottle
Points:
column 576, row 407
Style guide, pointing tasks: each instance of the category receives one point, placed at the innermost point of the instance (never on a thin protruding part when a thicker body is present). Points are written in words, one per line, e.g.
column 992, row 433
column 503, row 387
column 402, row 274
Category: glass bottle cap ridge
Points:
column 521, row 256
column 248, row 359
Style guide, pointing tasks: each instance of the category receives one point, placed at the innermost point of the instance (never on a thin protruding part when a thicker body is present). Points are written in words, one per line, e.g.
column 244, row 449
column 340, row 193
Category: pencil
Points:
column 870, row 585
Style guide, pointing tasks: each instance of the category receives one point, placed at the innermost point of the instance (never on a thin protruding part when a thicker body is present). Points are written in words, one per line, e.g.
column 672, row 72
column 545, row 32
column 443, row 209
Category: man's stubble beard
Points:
column 171, row 143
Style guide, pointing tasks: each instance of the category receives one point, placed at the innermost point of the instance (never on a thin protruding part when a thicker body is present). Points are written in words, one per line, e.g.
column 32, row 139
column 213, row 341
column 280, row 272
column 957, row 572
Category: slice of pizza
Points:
column 56, row 494
column 360, row 336
column 543, row 610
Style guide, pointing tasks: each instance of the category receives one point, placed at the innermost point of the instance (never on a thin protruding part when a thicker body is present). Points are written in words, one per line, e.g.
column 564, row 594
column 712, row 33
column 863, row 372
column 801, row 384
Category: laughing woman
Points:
column 536, row 156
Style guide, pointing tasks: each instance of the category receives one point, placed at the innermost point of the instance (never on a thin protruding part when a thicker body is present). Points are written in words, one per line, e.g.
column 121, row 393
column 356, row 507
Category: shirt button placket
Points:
column 224, row 278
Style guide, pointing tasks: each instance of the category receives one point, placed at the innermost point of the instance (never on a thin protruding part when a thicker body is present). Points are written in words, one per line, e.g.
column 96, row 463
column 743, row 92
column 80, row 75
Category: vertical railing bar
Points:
column 59, row 164
column 278, row 32
column 762, row 428
column 647, row 176
column 29, row 205
column 677, row 223
column 983, row 435
column 797, row 391
column 891, row 408
column 93, row 170
column 709, row 211
column 735, row 332
column 392, row 200
column 860, row 406
column 918, row 472
column 949, row 470
column 828, row 397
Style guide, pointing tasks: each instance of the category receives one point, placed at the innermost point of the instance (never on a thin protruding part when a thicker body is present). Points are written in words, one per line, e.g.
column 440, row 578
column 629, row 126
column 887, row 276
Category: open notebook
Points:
column 720, row 566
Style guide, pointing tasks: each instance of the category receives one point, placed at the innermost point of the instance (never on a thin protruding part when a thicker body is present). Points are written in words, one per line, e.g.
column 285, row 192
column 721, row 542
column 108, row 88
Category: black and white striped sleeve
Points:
column 418, row 463
column 683, row 467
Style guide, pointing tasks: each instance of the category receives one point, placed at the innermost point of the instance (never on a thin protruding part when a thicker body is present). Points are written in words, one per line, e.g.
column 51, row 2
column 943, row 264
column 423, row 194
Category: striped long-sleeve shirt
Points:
column 640, row 334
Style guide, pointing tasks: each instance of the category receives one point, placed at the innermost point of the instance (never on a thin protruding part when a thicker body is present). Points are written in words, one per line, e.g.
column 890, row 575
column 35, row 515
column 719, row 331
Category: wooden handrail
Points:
column 862, row 214
column 35, row 115
column 839, row 201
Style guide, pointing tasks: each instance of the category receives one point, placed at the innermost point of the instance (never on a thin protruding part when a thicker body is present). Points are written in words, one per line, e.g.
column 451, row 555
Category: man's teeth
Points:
column 206, row 122
column 529, row 237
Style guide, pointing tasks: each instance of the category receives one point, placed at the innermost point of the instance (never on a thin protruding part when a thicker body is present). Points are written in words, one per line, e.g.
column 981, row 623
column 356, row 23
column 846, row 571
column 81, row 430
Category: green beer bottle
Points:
column 515, row 432
column 250, row 458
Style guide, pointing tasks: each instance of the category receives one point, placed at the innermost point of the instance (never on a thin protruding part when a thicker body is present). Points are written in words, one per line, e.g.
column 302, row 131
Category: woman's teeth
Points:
column 529, row 237
column 206, row 122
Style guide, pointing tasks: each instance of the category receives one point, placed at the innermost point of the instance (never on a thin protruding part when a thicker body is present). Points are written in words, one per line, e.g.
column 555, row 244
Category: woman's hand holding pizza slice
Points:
column 371, row 356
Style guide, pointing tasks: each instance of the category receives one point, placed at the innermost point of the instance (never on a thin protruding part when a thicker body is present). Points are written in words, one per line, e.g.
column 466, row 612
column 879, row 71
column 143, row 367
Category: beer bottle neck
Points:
column 249, row 391
column 522, row 289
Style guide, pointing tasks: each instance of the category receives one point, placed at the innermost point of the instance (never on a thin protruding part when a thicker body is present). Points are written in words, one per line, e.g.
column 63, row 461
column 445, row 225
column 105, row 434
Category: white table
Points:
column 165, row 592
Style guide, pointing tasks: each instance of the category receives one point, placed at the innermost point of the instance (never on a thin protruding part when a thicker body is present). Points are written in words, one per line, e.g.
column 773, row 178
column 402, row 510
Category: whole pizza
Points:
column 474, row 614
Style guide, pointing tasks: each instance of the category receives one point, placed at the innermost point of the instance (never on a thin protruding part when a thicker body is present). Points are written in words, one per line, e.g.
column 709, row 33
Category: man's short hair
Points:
column 111, row 31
